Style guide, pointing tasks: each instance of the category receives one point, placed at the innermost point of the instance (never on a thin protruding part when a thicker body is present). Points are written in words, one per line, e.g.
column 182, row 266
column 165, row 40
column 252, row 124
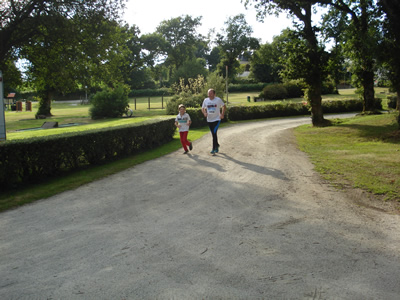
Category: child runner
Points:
column 182, row 121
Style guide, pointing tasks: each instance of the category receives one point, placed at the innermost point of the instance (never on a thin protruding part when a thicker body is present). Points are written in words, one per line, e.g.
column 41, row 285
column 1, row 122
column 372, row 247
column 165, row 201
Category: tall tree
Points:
column 312, row 58
column 233, row 42
column 361, row 43
column 72, row 53
column 265, row 65
column 181, row 40
column 20, row 19
column 391, row 43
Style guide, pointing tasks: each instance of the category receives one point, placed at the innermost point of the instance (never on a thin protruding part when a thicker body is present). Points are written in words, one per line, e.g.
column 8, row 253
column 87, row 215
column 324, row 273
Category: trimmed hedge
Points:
column 35, row 159
column 150, row 92
column 237, row 113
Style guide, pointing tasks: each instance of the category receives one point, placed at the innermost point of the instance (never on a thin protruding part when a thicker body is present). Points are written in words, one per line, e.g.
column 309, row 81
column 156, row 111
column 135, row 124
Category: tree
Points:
column 265, row 66
column 213, row 58
column 312, row 55
column 233, row 42
column 20, row 19
column 181, row 40
column 74, row 53
column 390, row 47
column 12, row 76
column 361, row 43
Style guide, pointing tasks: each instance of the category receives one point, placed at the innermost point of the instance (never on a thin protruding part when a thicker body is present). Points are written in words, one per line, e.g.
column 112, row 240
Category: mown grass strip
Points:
column 363, row 152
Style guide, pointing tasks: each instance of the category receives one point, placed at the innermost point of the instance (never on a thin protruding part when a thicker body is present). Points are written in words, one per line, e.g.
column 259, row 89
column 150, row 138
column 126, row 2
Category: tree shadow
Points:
column 256, row 168
column 386, row 133
column 206, row 163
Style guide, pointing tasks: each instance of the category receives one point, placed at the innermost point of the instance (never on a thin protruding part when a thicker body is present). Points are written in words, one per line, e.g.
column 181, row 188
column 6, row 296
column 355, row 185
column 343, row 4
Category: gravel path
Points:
column 253, row 222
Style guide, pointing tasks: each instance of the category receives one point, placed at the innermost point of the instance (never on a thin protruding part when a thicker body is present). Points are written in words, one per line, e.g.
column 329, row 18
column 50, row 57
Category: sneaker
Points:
column 212, row 151
column 216, row 150
column 186, row 152
column 190, row 146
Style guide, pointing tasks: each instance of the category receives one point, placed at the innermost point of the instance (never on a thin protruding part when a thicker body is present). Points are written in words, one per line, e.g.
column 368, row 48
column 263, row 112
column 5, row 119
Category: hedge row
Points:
column 237, row 113
column 35, row 159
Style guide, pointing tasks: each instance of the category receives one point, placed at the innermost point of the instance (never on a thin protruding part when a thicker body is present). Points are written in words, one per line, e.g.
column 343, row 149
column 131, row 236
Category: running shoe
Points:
column 190, row 146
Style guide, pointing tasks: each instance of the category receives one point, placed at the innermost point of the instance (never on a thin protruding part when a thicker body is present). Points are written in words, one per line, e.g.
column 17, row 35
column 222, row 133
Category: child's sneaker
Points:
column 186, row 152
column 191, row 146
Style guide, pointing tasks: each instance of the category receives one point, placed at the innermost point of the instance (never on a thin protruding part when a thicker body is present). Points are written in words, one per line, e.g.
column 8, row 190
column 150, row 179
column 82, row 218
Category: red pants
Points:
column 185, row 143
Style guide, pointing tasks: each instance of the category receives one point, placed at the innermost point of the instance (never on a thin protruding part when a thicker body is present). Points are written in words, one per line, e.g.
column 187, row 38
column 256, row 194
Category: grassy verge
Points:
column 362, row 152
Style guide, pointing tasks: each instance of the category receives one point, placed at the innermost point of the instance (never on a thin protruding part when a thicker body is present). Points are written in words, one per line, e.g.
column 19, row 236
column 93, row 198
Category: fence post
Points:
column 149, row 103
column 162, row 102
column 135, row 103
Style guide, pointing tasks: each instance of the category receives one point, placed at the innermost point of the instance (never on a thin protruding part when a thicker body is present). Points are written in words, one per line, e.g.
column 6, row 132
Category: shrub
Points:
column 275, row 91
column 186, row 98
column 149, row 92
column 109, row 103
column 294, row 89
column 392, row 101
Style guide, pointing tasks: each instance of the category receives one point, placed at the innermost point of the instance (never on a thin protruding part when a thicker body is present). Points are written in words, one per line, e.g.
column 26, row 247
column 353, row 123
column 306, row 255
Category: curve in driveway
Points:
column 253, row 222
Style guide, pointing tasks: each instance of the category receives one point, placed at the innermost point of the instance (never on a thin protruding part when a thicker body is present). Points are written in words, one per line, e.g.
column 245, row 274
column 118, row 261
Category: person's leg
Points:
column 183, row 136
column 185, row 140
column 214, row 128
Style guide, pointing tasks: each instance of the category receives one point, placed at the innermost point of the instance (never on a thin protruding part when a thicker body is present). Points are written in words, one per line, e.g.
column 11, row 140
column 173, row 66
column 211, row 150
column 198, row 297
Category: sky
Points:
column 148, row 14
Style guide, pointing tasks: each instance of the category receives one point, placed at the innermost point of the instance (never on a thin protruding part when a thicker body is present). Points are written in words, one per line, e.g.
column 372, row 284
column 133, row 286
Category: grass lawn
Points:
column 361, row 152
column 356, row 151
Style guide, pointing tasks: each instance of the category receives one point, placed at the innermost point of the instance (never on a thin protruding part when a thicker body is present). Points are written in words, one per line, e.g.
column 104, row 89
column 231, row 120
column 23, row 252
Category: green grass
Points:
column 338, row 152
column 361, row 152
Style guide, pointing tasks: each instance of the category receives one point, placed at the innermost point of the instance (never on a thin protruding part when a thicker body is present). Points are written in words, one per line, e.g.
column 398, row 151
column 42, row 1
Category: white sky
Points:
column 147, row 15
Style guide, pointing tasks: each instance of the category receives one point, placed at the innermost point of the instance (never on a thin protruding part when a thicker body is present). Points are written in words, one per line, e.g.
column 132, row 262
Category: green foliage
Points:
column 44, row 107
column 234, row 41
column 237, row 113
column 150, row 92
column 109, row 103
column 276, row 91
column 294, row 88
column 392, row 101
column 236, row 88
column 216, row 82
column 190, row 94
column 34, row 159
column 190, row 69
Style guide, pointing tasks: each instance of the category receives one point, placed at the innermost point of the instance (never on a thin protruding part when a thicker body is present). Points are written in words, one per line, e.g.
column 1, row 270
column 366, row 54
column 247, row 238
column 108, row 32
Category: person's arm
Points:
column 204, row 110
column 223, row 112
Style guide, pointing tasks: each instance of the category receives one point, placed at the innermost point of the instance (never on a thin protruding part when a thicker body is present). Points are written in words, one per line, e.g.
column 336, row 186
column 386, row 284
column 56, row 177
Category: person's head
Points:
column 211, row 93
column 182, row 108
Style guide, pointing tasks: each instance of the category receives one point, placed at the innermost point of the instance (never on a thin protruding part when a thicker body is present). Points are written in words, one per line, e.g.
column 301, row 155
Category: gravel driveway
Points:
column 253, row 222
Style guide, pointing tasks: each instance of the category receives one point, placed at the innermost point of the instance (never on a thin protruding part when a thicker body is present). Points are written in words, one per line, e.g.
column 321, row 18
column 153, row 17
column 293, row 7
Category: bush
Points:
column 392, row 101
column 275, row 91
column 245, row 87
column 328, row 87
column 30, row 160
column 294, row 89
column 110, row 103
column 185, row 98
column 150, row 92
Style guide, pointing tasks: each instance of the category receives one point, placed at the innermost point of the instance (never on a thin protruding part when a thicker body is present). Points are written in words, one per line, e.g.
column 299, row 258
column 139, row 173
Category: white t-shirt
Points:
column 183, row 121
column 213, row 108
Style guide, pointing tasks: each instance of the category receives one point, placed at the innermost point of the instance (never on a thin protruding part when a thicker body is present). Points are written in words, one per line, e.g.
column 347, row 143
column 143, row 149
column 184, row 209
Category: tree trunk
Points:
column 45, row 103
column 369, row 92
column 315, row 99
